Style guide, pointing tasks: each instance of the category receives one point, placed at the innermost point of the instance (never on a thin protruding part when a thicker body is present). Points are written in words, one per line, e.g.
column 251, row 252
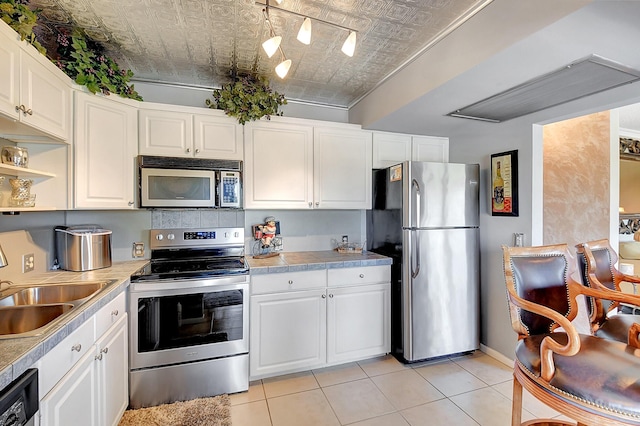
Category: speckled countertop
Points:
column 19, row 354
column 313, row 260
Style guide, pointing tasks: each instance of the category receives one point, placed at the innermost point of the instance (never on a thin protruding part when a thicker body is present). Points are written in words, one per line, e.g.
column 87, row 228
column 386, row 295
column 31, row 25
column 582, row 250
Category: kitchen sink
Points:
column 28, row 320
column 54, row 293
column 27, row 311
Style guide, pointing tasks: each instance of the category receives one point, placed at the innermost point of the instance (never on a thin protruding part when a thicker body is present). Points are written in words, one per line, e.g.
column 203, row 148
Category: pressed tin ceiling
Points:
column 203, row 42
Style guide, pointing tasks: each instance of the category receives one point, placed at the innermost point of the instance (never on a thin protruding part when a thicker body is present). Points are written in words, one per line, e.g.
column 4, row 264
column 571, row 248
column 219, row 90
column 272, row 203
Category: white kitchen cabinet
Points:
column 278, row 168
column 312, row 319
column 34, row 94
column 106, row 146
column 303, row 165
column 341, row 168
column 84, row 380
column 180, row 132
column 394, row 148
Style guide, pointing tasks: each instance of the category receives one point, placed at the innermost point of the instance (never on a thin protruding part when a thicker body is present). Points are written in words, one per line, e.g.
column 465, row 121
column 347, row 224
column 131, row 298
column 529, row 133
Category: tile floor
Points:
column 465, row 390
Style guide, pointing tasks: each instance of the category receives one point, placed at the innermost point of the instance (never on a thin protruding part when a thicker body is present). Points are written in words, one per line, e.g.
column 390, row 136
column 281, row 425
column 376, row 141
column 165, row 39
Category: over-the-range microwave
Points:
column 189, row 182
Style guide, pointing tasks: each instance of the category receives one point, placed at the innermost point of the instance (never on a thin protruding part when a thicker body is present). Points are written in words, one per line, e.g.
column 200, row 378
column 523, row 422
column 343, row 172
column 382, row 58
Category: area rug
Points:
column 214, row 411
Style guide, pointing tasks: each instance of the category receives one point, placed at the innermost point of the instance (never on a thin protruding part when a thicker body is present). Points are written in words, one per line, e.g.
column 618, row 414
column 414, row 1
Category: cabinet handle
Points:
column 98, row 357
column 330, row 295
column 115, row 312
column 361, row 275
column 104, row 351
column 77, row 347
column 130, row 203
column 188, row 149
column 290, row 282
column 324, row 296
column 29, row 111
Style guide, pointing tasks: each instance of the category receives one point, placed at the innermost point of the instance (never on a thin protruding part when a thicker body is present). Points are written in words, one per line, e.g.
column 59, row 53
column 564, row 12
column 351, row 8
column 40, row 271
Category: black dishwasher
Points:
column 19, row 400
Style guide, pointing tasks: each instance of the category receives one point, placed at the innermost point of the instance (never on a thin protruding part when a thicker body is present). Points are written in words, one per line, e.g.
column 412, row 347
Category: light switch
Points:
column 518, row 239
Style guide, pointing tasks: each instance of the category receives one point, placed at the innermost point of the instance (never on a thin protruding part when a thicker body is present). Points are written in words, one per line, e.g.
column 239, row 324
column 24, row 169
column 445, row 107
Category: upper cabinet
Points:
column 34, row 95
column 309, row 165
column 170, row 131
column 106, row 146
column 394, row 148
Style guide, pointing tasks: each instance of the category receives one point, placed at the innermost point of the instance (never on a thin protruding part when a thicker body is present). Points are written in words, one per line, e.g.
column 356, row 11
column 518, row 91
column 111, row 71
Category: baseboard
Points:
column 496, row 355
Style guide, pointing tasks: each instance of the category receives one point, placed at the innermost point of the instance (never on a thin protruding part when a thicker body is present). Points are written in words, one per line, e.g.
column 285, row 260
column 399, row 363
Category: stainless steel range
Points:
column 189, row 332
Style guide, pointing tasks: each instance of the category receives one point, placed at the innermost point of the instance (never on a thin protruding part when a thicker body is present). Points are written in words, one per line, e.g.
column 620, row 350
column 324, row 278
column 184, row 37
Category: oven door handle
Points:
column 187, row 285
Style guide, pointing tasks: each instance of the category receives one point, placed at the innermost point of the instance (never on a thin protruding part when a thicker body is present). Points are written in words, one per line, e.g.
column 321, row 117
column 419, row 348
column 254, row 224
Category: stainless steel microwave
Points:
column 173, row 182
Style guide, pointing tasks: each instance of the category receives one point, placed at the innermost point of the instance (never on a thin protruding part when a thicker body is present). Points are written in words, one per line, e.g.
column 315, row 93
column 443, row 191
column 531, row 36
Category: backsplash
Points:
column 194, row 218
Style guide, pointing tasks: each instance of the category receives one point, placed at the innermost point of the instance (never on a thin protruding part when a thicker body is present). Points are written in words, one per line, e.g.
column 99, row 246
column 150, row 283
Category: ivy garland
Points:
column 22, row 20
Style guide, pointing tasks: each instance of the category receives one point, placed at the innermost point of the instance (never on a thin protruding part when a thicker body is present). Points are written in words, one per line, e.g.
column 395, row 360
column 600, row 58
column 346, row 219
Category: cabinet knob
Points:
column 130, row 203
column 98, row 357
column 76, row 347
column 104, row 351
column 188, row 149
column 361, row 275
column 317, row 203
column 29, row 111
column 324, row 296
column 290, row 282
column 115, row 312
column 310, row 204
column 197, row 151
column 330, row 296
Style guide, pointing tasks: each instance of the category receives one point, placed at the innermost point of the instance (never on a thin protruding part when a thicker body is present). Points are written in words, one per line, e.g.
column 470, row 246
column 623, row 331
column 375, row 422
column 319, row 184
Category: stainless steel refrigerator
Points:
column 425, row 216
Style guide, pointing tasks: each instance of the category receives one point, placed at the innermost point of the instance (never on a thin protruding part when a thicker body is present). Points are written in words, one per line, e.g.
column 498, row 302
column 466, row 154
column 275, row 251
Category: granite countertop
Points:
column 314, row 260
column 19, row 354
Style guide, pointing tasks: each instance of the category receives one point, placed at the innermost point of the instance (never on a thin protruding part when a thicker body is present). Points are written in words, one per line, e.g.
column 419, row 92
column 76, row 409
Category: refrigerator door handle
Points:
column 417, row 200
column 415, row 256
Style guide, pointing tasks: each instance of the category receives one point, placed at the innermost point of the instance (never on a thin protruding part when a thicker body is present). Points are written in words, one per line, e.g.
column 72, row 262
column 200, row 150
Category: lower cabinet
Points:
column 342, row 320
column 95, row 390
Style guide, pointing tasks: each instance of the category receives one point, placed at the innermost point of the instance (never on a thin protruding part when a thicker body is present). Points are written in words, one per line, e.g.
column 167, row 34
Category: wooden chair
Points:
column 592, row 380
column 603, row 275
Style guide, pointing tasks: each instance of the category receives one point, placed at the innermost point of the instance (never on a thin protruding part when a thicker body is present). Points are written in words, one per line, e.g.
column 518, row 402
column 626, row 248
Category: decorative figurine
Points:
column 267, row 241
column 269, row 231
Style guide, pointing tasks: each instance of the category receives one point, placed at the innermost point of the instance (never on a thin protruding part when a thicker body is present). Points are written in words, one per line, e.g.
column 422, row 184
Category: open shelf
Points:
column 7, row 169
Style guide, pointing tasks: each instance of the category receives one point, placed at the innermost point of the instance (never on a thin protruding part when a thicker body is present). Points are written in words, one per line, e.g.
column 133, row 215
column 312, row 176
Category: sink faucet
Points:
column 3, row 262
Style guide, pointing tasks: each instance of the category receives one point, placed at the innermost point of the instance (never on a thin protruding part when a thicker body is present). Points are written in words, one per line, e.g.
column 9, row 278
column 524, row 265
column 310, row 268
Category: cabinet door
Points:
column 288, row 332
column 217, row 137
column 358, row 322
column 47, row 96
column 278, row 168
column 105, row 154
column 165, row 133
column 9, row 77
column 342, row 168
column 430, row 148
column 390, row 149
column 113, row 373
column 74, row 400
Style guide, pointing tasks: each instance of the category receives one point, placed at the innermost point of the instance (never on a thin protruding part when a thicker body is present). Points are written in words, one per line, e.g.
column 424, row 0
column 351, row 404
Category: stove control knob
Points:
column 236, row 234
column 171, row 237
column 226, row 235
column 159, row 237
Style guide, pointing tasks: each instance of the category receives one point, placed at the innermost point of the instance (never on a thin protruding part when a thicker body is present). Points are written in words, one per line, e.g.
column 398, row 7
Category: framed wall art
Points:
column 504, row 184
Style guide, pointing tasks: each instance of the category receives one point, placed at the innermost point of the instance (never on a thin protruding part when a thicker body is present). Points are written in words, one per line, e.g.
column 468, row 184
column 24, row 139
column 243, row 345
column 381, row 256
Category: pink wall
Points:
column 576, row 180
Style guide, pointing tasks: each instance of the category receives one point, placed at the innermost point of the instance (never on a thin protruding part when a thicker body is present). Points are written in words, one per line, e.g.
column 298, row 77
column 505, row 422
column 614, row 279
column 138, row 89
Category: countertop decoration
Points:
column 247, row 98
column 267, row 243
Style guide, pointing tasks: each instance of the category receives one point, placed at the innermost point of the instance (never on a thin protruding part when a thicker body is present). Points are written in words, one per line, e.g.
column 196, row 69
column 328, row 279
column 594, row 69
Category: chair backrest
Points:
column 540, row 275
column 605, row 257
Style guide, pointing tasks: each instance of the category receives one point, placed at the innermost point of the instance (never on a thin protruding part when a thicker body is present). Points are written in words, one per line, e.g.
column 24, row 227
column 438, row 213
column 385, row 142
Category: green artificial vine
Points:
column 22, row 20
column 248, row 98
column 83, row 60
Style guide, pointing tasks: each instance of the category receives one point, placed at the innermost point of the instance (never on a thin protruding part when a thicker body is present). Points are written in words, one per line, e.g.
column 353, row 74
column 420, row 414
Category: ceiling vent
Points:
column 574, row 81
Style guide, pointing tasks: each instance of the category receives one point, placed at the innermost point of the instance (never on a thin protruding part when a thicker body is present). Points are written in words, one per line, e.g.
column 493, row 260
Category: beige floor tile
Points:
column 255, row 393
column 251, row 414
column 339, row 374
column 381, row 365
column 437, row 413
column 449, row 378
column 309, row 408
column 486, row 406
column 406, row 389
column 356, row 401
column 290, row 383
column 394, row 419
column 529, row 402
column 485, row 368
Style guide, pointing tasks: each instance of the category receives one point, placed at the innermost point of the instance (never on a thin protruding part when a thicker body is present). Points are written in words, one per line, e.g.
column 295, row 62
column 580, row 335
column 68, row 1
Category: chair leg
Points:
column 516, row 406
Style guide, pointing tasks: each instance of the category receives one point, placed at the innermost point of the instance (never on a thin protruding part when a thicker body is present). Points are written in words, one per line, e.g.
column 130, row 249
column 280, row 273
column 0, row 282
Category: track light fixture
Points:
column 272, row 45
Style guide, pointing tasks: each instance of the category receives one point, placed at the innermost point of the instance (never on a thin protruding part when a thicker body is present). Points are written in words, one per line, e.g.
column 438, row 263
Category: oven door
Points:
column 183, row 321
column 177, row 188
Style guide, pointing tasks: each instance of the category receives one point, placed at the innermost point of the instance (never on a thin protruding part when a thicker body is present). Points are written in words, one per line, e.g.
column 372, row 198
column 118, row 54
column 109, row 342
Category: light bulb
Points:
column 283, row 68
column 349, row 46
column 271, row 46
column 304, row 35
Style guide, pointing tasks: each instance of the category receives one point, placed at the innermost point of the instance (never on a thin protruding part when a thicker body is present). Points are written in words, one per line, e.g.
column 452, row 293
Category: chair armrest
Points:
column 629, row 278
column 549, row 346
column 605, row 293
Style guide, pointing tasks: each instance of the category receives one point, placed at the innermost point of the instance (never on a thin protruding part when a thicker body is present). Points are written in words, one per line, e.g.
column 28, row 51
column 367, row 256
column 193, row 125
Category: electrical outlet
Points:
column 28, row 262
column 138, row 249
